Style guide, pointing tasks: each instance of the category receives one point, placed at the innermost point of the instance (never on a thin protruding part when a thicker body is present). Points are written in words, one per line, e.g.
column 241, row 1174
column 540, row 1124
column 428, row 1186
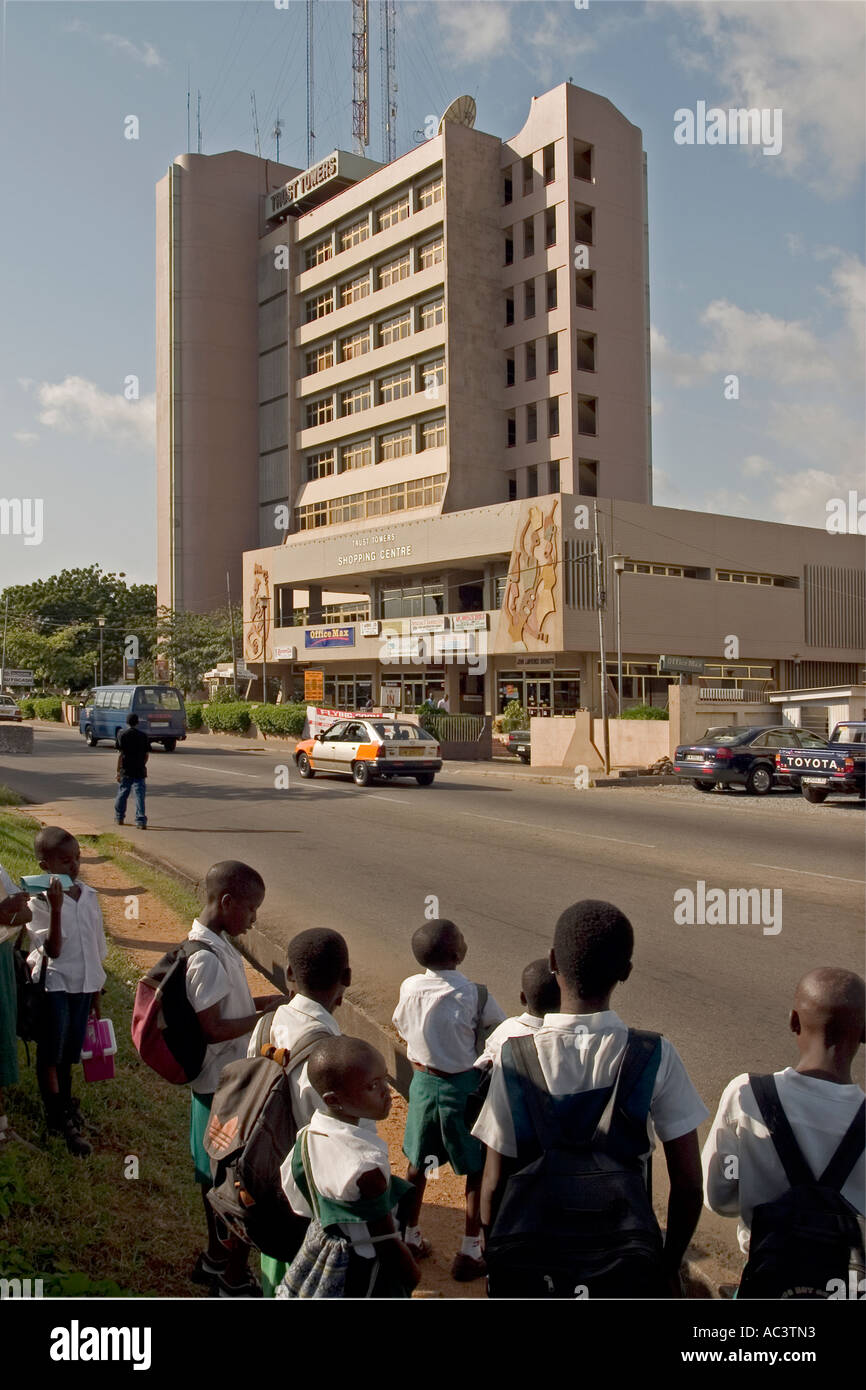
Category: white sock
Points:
column 471, row 1246
column 413, row 1235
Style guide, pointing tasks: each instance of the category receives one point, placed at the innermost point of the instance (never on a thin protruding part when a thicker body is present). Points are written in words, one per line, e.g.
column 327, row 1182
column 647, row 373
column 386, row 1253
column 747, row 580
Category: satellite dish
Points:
column 461, row 112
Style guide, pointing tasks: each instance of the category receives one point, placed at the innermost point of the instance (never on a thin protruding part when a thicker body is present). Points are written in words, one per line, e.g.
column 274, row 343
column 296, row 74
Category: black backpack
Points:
column 251, row 1131
column 808, row 1243
column 30, row 994
column 578, row 1220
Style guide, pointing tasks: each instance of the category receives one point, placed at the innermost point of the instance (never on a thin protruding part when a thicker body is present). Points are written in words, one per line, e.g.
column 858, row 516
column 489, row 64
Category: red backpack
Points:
column 165, row 1030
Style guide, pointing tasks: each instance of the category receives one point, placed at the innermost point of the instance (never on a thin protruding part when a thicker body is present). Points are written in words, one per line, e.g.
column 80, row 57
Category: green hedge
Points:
column 194, row 715
column 287, row 720
column 231, row 719
column 49, row 708
column 644, row 712
column 26, row 707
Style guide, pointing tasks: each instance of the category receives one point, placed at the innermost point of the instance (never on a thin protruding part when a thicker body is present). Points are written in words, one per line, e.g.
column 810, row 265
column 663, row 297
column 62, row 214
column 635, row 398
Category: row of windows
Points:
column 379, row 221
column 407, row 380
column 777, row 581
column 529, row 302
column 530, row 360
column 379, row 501
column 388, row 444
column 552, row 409
column 532, row 489
column 382, row 333
column 529, row 236
column 582, row 168
column 378, row 277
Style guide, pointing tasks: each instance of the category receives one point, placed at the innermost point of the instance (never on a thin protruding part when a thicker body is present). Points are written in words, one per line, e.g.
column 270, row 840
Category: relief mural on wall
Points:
column 531, row 617
column 259, row 622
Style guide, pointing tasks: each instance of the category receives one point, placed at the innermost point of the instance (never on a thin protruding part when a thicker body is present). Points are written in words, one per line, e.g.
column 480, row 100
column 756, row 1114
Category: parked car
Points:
column 8, row 708
column 740, row 757
column 369, row 750
column 838, row 767
column 160, row 709
column 517, row 742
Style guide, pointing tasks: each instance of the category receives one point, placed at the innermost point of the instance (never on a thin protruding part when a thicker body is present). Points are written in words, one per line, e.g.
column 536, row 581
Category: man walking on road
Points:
column 131, row 771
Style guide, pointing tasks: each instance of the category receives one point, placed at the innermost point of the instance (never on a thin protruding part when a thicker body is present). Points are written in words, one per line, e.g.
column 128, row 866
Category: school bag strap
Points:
column 797, row 1170
column 640, row 1048
column 535, row 1090
column 480, row 1031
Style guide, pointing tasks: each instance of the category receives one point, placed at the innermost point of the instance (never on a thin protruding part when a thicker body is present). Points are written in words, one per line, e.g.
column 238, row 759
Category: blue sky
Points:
column 756, row 261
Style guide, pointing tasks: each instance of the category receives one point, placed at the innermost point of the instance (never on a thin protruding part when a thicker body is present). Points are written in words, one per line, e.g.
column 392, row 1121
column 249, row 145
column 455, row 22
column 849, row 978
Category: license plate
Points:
column 695, row 758
column 411, row 753
column 814, row 781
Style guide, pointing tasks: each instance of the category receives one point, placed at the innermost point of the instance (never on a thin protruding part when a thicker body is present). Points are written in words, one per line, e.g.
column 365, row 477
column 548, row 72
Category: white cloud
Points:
column 746, row 342
column 144, row 53
column 475, row 32
column 78, row 406
column 806, row 59
column 25, row 436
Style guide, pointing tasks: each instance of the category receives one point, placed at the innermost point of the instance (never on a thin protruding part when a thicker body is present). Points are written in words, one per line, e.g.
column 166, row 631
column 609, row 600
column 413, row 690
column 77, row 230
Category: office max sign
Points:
column 738, row 126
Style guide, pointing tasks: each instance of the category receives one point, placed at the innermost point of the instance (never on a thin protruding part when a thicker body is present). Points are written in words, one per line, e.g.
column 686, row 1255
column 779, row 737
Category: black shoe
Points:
column 55, row 1115
column 119, row 822
column 75, row 1143
column 139, row 826
column 207, row 1271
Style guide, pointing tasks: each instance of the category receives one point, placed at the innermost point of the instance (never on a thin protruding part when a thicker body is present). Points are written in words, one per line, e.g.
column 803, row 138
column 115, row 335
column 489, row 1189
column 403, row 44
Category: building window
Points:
column 354, row 234
column 431, row 253
column 320, row 358
column 355, row 345
column 531, row 429
column 532, row 482
column 359, row 398
column 432, row 377
column 320, row 412
column 320, row 465
column 420, row 492
column 553, row 417
column 318, row 253
column 583, row 224
column 553, row 478
column 583, row 160
column 550, row 227
column 509, row 370
column 430, row 193
column 527, row 174
column 586, row 352
column 392, row 272
column 509, row 310
column 429, row 315
column 393, row 330
column 529, row 299
column 548, row 156
column 509, row 248
column 584, row 289
column 587, row 415
column 396, row 386
column 395, row 212
column 551, row 290
column 356, row 455
column 320, row 305
column 510, row 430
column 507, row 188
column 355, row 289
column 512, row 497
column 530, row 362
column 529, row 237
column 396, row 444
column 769, row 581
column 433, row 433
column 552, row 353
column 587, row 477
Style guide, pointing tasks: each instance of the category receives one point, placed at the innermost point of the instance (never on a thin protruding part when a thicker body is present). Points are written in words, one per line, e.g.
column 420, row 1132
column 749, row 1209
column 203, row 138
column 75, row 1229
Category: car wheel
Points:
column 759, row 780
column 424, row 779
column 305, row 767
column 361, row 774
column 814, row 794
column 169, row 744
column 92, row 740
column 704, row 786
column 523, row 758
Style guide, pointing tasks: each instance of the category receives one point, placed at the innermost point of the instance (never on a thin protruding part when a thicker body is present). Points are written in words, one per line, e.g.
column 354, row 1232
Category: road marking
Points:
column 223, row 771
column 783, row 869
column 560, row 830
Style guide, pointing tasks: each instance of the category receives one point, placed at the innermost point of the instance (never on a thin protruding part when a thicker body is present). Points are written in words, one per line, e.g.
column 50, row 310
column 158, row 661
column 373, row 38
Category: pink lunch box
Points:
column 98, row 1049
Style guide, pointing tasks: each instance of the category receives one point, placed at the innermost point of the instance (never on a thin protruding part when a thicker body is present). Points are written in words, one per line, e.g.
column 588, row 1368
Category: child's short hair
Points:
column 51, row 838
column 540, row 988
column 832, row 1002
column 233, row 877
column 435, row 943
column 318, row 958
column 593, row 943
column 333, row 1061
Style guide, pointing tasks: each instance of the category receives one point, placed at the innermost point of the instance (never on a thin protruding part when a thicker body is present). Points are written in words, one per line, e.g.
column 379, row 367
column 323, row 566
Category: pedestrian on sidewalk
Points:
column 131, row 771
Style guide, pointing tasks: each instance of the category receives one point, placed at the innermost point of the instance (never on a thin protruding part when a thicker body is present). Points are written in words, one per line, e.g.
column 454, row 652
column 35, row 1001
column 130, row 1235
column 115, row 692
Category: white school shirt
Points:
column 819, row 1112
column 338, row 1154
column 212, row 979
column 78, row 968
column 582, row 1052
column 518, row 1027
column 437, row 1015
column 291, row 1021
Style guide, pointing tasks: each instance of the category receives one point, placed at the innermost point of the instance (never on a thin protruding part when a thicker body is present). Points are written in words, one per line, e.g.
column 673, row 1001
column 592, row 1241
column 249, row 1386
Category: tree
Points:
column 192, row 643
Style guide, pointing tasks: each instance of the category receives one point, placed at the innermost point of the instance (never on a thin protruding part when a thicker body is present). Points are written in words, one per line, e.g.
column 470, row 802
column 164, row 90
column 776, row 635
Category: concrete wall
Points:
column 634, row 742
column 691, row 717
column 564, row 742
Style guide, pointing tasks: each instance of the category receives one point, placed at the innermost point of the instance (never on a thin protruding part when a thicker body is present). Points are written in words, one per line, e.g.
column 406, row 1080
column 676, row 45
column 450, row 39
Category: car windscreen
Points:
column 157, row 697
column 721, row 736
column 401, row 731
column 851, row 733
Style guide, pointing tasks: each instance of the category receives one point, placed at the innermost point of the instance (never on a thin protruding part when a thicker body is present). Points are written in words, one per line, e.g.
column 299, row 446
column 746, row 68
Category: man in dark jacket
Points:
column 131, row 771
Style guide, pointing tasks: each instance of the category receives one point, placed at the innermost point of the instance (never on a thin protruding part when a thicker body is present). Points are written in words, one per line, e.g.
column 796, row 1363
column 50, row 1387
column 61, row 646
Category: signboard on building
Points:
column 370, row 629
column 329, row 637
column 11, row 675
column 318, row 719
column 283, row 653
column 390, row 697
column 434, row 623
column 681, row 666
column 468, row 622
column 534, row 663
column 314, row 685
column 297, row 189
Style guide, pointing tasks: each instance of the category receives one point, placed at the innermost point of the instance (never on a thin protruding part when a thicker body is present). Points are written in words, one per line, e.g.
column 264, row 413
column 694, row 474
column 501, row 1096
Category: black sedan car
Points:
column 740, row 757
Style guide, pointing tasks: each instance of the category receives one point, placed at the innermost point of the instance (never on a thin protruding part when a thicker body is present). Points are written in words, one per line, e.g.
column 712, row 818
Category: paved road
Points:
column 504, row 856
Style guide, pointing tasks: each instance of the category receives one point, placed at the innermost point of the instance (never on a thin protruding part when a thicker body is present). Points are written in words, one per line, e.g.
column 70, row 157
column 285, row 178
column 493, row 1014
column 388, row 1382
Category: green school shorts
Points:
column 199, row 1114
column 436, row 1123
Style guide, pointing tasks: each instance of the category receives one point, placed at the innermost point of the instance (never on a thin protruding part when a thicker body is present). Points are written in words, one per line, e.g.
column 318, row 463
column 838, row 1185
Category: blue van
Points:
column 160, row 710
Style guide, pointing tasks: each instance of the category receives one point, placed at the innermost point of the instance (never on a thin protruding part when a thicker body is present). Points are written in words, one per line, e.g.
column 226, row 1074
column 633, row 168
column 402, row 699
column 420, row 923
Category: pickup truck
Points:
column 821, row 772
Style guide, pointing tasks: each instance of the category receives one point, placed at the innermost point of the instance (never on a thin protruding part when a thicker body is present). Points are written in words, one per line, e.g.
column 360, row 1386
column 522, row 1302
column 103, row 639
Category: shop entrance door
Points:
column 539, row 697
column 345, row 694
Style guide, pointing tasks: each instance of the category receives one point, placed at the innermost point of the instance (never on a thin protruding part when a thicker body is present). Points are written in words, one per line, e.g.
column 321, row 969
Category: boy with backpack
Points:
column 217, row 989
column 441, row 1015
column 539, row 995
column 785, row 1153
column 569, row 1124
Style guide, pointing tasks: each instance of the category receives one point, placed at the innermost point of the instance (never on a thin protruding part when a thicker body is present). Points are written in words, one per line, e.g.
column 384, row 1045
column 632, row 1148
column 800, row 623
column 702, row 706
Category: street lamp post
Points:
column 619, row 563
column 101, row 622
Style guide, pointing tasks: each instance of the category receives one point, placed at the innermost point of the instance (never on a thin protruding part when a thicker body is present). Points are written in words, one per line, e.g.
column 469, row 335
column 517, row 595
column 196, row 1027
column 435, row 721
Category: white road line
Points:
column 223, row 771
column 784, row 869
column 560, row 830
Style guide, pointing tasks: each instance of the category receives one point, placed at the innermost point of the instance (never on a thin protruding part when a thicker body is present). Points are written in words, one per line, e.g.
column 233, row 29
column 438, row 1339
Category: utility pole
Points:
column 266, row 601
column 256, row 125
column 387, row 57
column 101, row 622
column 232, row 625
column 600, row 600
column 5, row 626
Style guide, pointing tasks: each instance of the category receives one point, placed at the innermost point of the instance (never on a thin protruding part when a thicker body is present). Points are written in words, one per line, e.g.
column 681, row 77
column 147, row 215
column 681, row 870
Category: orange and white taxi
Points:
column 370, row 750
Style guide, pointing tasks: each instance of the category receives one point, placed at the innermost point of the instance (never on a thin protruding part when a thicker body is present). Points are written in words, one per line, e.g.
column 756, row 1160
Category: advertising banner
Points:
column 318, row 720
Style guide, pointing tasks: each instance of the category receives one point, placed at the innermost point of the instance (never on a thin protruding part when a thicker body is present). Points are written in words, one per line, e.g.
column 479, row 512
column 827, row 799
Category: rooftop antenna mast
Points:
column 198, row 119
column 311, row 134
column 256, row 124
column 277, row 132
column 188, row 141
column 360, row 77
column 387, row 55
